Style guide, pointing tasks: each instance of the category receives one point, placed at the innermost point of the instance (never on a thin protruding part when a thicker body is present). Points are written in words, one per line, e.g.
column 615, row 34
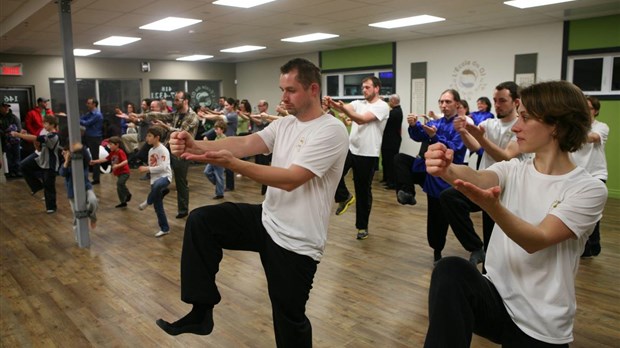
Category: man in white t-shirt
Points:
column 369, row 117
column 288, row 230
column 494, row 140
column 591, row 157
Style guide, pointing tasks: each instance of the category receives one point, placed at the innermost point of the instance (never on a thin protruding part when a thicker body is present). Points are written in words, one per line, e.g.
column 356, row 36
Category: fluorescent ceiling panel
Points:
column 533, row 3
column 194, row 57
column 405, row 22
column 170, row 23
column 241, row 3
column 117, row 41
column 241, row 49
column 82, row 52
column 310, row 37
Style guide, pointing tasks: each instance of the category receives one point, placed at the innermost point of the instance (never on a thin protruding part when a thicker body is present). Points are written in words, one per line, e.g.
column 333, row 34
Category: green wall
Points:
column 357, row 57
column 594, row 33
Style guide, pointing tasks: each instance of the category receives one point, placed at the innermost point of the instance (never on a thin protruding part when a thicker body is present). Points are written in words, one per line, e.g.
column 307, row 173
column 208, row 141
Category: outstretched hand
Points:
column 431, row 131
column 221, row 158
column 476, row 131
column 484, row 198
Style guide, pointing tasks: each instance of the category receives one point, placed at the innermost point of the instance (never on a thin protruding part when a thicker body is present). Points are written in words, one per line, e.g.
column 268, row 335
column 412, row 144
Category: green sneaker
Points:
column 343, row 206
column 362, row 234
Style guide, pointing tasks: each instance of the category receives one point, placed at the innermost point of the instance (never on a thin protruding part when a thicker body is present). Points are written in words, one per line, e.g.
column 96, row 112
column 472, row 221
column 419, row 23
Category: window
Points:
column 348, row 85
column 596, row 74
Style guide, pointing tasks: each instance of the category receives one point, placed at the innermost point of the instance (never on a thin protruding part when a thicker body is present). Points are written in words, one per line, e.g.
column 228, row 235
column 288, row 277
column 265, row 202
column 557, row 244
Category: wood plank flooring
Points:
column 370, row 293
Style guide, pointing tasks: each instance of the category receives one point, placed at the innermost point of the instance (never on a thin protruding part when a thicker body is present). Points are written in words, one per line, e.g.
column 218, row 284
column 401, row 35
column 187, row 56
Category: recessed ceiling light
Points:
column 194, row 57
column 405, row 22
column 310, row 37
column 170, row 23
column 117, row 41
column 241, row 3
column 533, row 3
column 82, row 52
column 241, row 49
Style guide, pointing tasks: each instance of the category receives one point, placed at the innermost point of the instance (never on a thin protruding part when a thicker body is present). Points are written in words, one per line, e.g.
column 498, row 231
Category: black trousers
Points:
column 210, row 229
column 457, row 208
column 39, row 178
column 179, row 169
column 461, row 301
column 263, row 160
column 405, row 178
column 93, row 143
column 387, row 161
column 363, row 172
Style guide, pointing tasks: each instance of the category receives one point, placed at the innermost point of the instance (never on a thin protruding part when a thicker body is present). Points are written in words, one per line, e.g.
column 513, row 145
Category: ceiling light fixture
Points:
column 117, row 41
column 241, row 49
column 83, row 52
column 170, row 23
column 533, row 3
column 194, row 57
column 310, row 37
column 405, row 22
column 241, row 3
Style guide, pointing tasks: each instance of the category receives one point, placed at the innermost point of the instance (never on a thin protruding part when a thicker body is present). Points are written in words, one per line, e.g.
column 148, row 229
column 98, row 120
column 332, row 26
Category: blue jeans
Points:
column 157, row 200
column 215, row 175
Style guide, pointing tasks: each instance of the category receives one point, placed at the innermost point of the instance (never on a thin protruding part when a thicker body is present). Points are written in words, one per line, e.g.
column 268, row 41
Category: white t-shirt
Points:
column 538, row 289
column 159, row 163
column 591, row 156
column 499, row 133
column 365, row 139
column 298, row 220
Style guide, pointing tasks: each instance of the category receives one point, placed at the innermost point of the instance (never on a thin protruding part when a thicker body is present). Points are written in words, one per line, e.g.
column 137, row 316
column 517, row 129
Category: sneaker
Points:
column 218, row 197
column 161, row 233
column 405, row 198
column 142, row 205
column 343, row 206
column 51, row 211
column 477, row 257
column 121, row 205
column 362, row 234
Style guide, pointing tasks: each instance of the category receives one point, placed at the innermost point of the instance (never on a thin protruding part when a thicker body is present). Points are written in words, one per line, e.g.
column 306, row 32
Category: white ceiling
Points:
column 31, row 27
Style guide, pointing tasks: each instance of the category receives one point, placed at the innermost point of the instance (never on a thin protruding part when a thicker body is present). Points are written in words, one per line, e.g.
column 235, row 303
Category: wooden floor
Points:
column 370, row 293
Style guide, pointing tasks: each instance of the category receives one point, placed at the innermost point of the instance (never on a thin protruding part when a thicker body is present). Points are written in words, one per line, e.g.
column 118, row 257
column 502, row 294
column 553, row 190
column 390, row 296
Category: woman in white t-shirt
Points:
column 544, row 208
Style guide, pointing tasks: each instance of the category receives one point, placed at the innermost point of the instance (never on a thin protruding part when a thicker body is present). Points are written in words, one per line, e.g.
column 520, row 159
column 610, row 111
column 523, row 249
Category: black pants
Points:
column 210, row 229
column 457, row 207
column 387, row 161
column 363, row 172
column 39, row 178
column 461, row 301
column 93, row 143
column 179, row 169
column 263, row 160
column 405, row 177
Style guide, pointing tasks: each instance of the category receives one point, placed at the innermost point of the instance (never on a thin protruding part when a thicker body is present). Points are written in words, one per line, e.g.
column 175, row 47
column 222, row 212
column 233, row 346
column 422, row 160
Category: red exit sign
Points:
column 11, row 69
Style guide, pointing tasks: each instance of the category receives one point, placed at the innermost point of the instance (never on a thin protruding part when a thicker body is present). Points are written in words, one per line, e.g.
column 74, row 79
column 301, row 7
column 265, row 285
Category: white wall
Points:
column 491, row 54
column 260, row 79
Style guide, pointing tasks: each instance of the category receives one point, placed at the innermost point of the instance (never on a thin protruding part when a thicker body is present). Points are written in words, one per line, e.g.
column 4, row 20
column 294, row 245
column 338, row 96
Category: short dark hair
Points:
column 512, row 87
column 486, row 102
column 307, row 72
column 375, row 81
column 221, row 124
column 157, row 131
column 596, row 104
column 50, row 119
column 562, row 105
column 95, row 101
column 114, row 140
column 455, row 94
column 185, row 96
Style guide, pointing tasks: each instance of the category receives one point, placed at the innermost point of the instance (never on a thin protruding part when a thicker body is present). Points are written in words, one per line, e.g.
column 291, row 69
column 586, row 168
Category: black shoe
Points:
column 218, row 197
column 164, row 192
column 196, row 329
column 181, row 215
column 405, row 198
column 95, row 182
column 128, row 198
column 121, row 205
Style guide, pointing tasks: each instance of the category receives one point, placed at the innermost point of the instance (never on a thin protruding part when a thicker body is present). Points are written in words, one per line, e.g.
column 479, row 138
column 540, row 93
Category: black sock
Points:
column 198, row 321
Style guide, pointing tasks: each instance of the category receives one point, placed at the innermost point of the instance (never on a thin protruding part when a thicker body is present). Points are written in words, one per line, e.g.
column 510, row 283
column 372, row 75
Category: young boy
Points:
column 65, row 171
column 215, row 174
column 44, row 164
column 120, row 169
column 161, row 176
